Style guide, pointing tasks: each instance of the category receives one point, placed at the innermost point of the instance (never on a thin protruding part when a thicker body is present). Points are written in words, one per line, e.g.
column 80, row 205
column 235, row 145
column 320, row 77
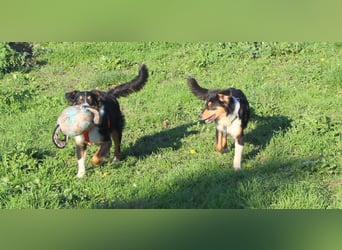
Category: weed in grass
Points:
column 10, row 59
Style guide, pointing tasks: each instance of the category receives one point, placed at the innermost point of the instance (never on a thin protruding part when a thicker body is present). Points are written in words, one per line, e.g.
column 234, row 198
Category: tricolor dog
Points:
column 109, row 122
column 229, row 108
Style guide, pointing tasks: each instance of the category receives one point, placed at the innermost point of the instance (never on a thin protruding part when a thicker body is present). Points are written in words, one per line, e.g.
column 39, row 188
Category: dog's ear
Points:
column 100, row 95
column 224, row 96
column 70, row 96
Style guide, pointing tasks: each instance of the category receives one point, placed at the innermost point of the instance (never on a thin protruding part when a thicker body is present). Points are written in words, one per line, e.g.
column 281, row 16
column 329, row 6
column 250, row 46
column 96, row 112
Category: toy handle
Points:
column 60, row 143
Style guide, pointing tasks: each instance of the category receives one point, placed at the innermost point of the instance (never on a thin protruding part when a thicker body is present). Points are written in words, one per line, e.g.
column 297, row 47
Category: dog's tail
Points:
column 133, row 86
column 197, row 90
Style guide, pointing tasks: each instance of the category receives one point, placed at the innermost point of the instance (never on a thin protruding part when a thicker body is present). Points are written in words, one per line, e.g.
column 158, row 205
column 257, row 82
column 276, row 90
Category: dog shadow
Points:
column 219, row 188
column 167, row 138
column 266, row 128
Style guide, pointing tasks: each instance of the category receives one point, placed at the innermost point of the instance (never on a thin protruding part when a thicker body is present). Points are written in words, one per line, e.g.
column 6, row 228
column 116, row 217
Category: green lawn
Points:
column 293, row 151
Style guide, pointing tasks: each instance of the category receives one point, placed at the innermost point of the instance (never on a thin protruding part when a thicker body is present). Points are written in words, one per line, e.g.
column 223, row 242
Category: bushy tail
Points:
column 133, row 86
column 197, row 90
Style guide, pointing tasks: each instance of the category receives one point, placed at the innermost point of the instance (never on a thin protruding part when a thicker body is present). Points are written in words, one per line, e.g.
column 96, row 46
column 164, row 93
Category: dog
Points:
column 230, row 110
column 110, row 121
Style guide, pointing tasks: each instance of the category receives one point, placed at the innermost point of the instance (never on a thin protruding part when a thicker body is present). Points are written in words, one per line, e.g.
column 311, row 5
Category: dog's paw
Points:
column 96, row 160
column 221, row 149
column 237, row 166
column 115, row 159
column 224, row 150
column 80, row 174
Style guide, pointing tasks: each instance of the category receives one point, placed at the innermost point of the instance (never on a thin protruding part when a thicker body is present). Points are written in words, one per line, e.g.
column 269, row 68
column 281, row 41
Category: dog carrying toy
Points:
column 73, row 121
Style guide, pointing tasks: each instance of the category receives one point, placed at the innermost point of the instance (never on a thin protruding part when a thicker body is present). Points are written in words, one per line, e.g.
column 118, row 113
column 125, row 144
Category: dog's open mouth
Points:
column 210, row 119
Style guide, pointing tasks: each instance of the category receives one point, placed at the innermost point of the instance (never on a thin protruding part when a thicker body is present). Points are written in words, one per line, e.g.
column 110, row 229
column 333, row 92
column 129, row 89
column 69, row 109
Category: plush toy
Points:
column 73, row 121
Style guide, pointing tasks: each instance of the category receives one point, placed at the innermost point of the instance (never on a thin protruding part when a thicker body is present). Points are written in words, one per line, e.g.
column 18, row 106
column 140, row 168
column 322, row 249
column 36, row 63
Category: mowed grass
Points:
column 293, row 151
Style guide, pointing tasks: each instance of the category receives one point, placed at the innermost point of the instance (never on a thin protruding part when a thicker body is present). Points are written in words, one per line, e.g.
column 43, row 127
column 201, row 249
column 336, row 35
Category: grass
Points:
column 293, row 152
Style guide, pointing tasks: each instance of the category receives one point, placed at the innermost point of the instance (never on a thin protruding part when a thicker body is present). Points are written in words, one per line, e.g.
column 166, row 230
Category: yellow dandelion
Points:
column 248, row 165
column 192, row 151
column 105, row 174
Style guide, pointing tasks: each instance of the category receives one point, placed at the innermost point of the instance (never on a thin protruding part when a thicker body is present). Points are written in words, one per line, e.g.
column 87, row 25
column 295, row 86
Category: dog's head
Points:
column 217, row 102
column 92, row 99
column 216, row 105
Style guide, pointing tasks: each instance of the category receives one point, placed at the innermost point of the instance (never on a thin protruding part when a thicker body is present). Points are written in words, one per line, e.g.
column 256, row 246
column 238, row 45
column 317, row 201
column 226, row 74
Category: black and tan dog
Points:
column 229, row 109
column 110, row 122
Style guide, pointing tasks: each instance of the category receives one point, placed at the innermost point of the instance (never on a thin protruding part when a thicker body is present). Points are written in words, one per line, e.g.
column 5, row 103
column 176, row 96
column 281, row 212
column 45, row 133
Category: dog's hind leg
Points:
column 117, row 142
column 81, row 152
column 239, row 142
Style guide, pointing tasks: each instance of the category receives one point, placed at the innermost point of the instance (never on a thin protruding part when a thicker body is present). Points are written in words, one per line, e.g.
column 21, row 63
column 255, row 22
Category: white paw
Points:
column 115, row 159
column 236, row 166
column 80, row 174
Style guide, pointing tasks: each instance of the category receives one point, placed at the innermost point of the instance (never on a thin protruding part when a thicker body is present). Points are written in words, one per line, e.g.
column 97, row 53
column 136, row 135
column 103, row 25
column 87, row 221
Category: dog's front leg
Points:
column 102, row 152
column 224, row 143
column 218, row 138
column 221, row 142
column 81, row 151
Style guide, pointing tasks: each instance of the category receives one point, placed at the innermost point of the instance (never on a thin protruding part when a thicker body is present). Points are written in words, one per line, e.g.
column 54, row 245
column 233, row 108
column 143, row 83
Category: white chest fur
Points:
column 94, row 137
column 230, row 124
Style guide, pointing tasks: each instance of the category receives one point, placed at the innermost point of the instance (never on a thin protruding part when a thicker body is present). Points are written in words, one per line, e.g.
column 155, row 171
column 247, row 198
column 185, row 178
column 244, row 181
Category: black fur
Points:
column 197, row 90
column 111, row 121
column 212, row 95
column 229, row 108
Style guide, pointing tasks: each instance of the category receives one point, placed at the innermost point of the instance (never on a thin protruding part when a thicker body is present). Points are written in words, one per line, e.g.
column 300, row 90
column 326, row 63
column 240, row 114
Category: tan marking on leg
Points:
column 96, row 160
column 218, row 141
column 224, row 144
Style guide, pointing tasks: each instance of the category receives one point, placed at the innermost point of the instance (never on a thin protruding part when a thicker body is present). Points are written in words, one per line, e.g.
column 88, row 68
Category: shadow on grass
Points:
column 26, row 49
column 167, row 138
column 211, row 186
column 271, row 184
column 266, row 128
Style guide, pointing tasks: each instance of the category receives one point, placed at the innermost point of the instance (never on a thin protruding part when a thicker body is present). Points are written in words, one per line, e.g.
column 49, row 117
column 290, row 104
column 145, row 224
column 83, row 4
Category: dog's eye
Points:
column 210, row 106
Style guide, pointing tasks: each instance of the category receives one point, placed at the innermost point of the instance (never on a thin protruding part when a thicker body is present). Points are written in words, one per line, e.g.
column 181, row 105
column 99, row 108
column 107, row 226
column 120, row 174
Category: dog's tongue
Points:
column 209, row 120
